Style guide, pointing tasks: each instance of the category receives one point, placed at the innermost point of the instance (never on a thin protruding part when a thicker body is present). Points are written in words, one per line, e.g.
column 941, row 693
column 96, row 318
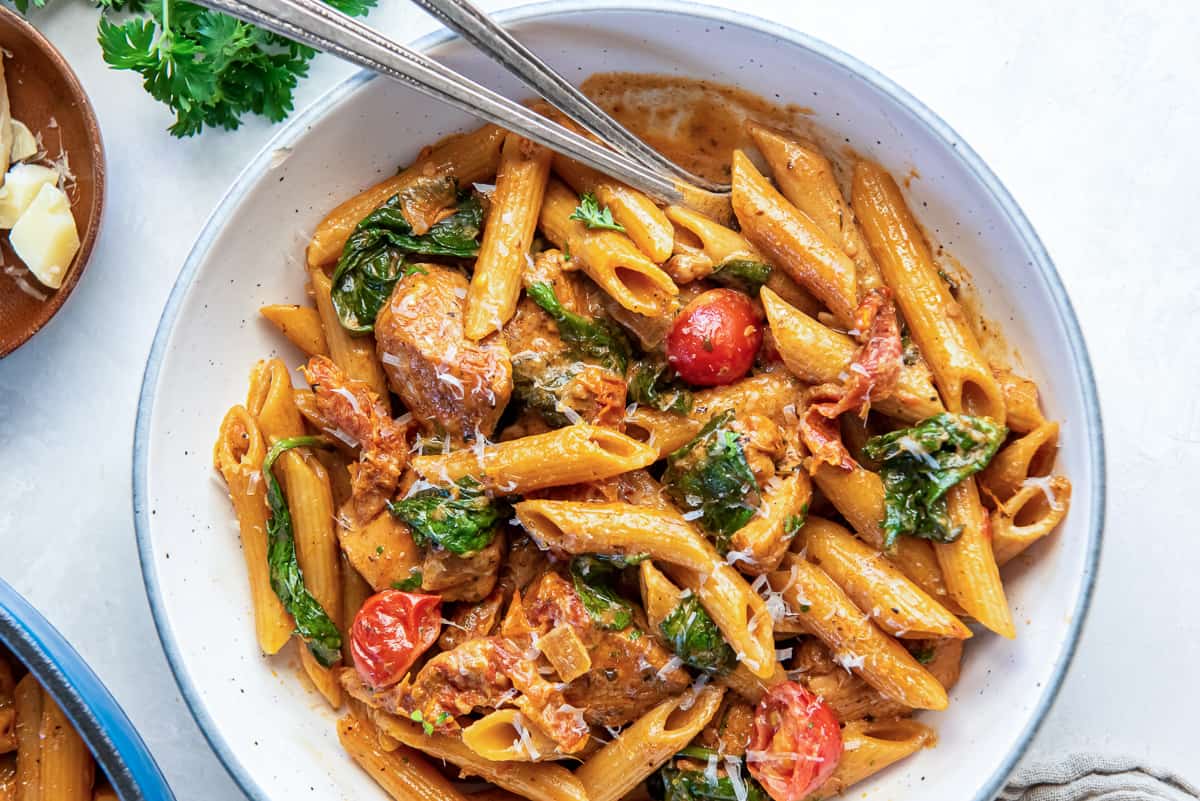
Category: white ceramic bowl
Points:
column 276, row 737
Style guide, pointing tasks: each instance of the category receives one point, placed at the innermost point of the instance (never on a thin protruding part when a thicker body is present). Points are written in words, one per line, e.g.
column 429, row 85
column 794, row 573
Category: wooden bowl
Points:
column 45, row 95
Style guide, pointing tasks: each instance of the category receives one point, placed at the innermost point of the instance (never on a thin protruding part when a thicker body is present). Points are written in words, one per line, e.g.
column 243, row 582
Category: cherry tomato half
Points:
column 715, row 338
column 796, row 743
column 390, row 631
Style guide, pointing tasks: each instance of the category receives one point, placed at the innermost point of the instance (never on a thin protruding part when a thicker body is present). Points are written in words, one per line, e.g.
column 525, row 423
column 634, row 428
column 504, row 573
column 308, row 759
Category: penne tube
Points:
column 805, row 177
column 507, row 236
column 659, row 595
column 792, row 241
column 68, row 770
column 817, row 354
column 969, row 565
column 647, row 744
column 300, row 324
column 869, row 747
column 571, row 455
column 29, row 701
column 608, row 257
column 538, row 782
column 1023, row 411
column 718, row 243
column 8, row 709
column 1030, row 456
column 506, row 735
column 469, row 157
column 895, row 603
column 936, row 322
column 750, row 687
column 692, row 562
column 8, row 777
column 771, row 395
column 238, row 456
column 404, row 773
column 851, row 698
column 761, row 543
column 354, row 355
column 382, row 551
column 857, row 644
column 643, row 221
column 1031, row 513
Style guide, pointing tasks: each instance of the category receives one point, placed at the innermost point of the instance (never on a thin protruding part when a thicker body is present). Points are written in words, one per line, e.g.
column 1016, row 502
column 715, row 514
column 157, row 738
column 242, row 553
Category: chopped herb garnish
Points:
column 373, row 259
column 591, row 214
column 593, row 579
column 312, row 623
column 594, row 339
column 924, row 655
column 413, row 582
column 919, row 465
column 461, row 519
column 653, row 383
column 793, row 524
column 416, row 717
column 711, row 474
column 695, row 638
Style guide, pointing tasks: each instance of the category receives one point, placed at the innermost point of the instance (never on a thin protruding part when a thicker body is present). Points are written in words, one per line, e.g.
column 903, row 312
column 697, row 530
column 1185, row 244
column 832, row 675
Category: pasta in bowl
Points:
column 594, row 499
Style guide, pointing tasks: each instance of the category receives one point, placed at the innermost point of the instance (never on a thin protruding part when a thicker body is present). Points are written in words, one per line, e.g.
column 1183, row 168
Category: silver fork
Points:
column 314, row 23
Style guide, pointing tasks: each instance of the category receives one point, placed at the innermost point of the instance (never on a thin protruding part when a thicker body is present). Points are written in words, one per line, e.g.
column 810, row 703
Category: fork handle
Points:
column 314, row 23
column 464, row 18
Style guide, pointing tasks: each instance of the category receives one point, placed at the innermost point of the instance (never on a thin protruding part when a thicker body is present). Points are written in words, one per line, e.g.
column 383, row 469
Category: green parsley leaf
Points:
column 711, row 474
column 312, row 623
column 919, row 465
column 592, row 215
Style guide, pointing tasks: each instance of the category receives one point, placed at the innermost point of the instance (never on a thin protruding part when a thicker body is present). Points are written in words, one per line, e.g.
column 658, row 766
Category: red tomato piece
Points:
column 796, row 743
column 715, row 339
column 390, row 631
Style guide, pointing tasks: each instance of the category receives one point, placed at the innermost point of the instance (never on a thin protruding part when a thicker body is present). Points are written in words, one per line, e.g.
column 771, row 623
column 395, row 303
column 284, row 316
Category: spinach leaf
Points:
column 413, row 582
column 653, row 383
column 312, row 623
column 695, row 638
column 540, row 386
column 461, row 519
column 593, row 579
column 742, row 274
column 373, row 259
column 919, row 464
column 711, row 474
column 595, row 339
column 591, row 214
column 680, row 784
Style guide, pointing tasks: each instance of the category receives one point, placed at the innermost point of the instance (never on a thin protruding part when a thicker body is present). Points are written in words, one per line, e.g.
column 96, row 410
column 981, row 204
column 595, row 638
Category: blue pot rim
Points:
column 295, row 128
column 88, row 704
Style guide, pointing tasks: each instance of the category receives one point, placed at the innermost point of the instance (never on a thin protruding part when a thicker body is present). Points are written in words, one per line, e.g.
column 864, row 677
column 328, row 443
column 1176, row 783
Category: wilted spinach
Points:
column 461, row 519
column 653, row 383
column 593, row 577
column 595, row 339
column 312, row 623
column 742, row 274
column 711, row 474
column 919, row 465
column 373, row 259
column 683, row 784
column 695, row 638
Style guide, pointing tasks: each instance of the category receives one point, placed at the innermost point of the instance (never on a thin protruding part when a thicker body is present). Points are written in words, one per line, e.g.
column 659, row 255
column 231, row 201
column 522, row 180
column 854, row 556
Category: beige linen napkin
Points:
column 1090, row 777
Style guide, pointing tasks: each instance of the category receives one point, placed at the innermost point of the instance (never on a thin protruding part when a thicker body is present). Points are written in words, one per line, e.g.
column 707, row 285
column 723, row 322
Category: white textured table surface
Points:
column 1089, row 115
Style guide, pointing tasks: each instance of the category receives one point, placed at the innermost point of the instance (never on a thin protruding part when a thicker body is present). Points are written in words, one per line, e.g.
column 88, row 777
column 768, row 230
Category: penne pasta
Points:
column 1031, row 513
column 857, row 644
column 354, row 355
column 608, row 257
column 650, row 741
column 761, row 543
column 805, row 177
column 623, row 529
column 300, row 324
column 1023, row 411
column 67, row 770
column 892, row 601
column 570, row 455
column 1030, row 456
column 792, row 241
column 817, row 354
column 468, row 157
column 382, row 551
column 969, row 565
column 238, row 457
column 507, row 236
column 403, row 772
column 869, row 747
column 644, row 223
column 935, row 320
column 29, row 702
column 507, row 736
column 8, row 709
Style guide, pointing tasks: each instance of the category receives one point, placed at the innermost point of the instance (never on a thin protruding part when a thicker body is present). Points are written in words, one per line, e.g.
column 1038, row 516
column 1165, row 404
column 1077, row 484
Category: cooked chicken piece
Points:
column 452, row 386
column 730, row 729
column 762, row 442
column 551, row 267
column 356, row 411
column 469, row 577
column 468, row 621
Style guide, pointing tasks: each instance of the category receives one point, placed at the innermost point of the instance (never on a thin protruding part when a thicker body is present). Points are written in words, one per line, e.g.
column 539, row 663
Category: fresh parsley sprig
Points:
column 593, row 215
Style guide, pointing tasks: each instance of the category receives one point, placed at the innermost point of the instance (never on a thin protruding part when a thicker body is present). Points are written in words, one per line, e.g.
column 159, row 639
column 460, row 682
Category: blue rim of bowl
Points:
column 560, row 8
column 87, row 703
